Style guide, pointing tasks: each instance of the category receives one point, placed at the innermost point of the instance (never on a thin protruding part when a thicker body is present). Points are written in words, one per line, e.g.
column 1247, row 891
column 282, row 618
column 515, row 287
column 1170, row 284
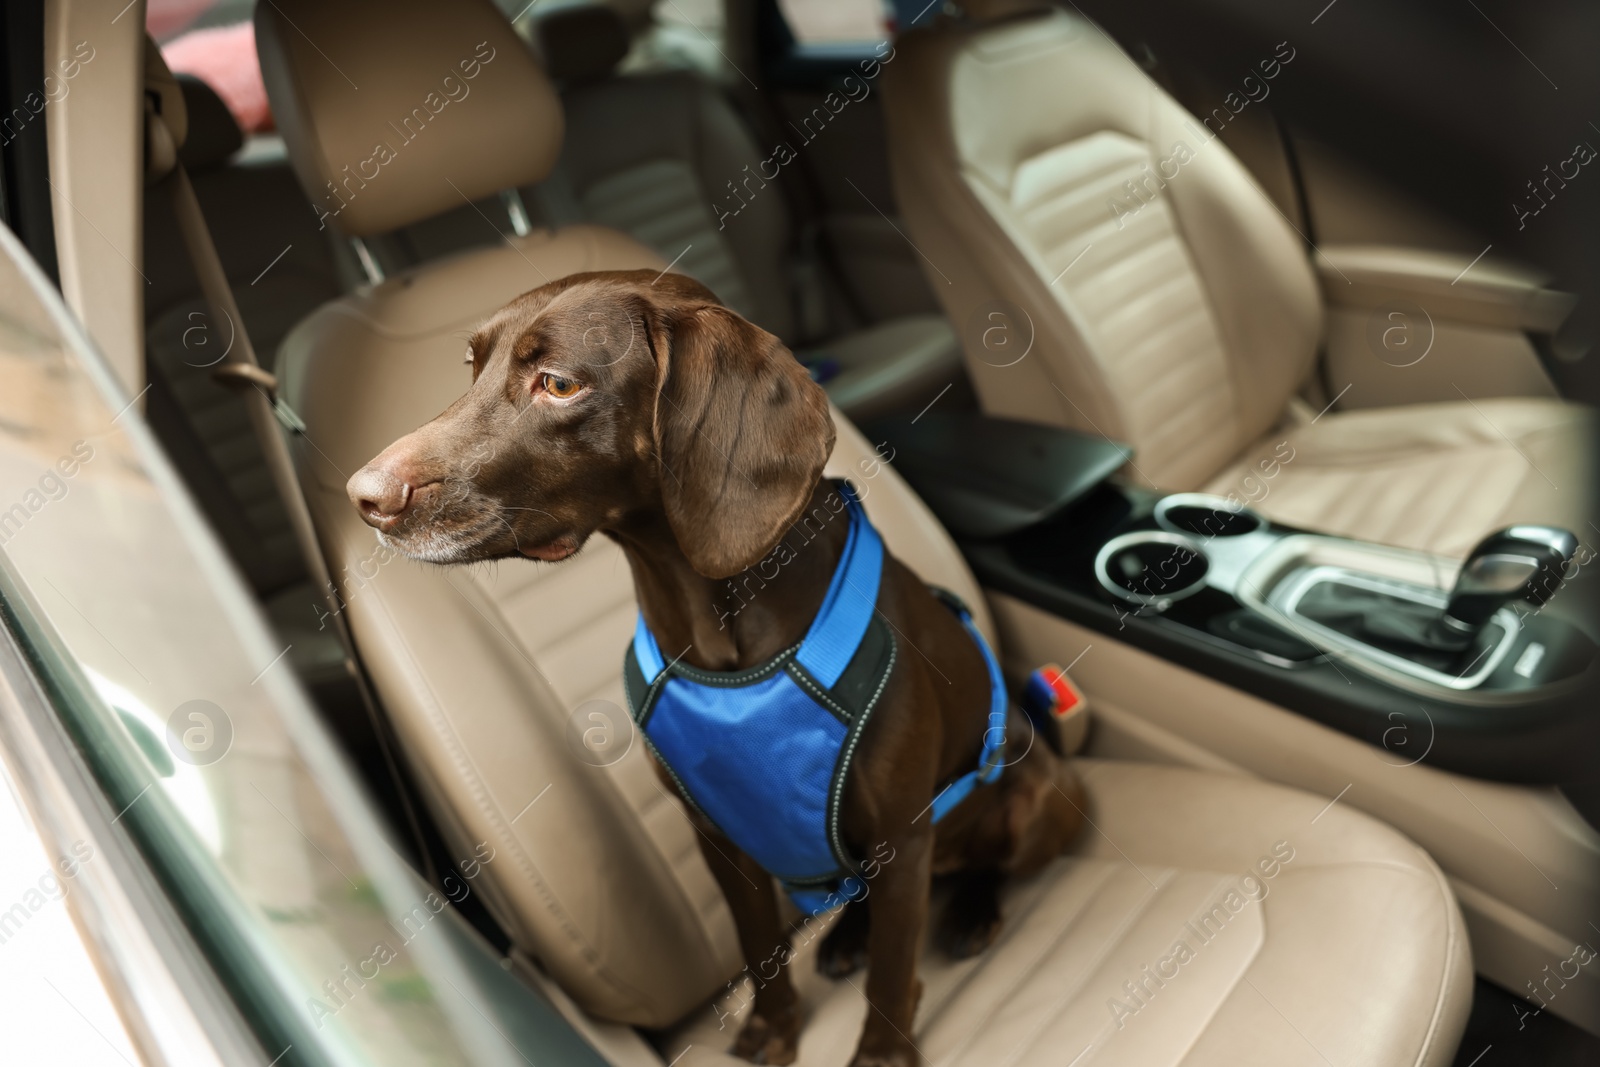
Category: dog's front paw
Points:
column 774, row 1040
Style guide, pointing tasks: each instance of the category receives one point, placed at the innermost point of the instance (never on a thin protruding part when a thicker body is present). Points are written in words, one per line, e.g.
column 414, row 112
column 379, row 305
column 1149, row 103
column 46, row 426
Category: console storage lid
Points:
column 986, row 477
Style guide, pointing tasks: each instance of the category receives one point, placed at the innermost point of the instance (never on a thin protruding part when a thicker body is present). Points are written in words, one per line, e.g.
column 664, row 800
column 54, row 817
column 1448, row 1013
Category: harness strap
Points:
column 852, row 597
column 645, row 650
column 842, row 621
column 992, row 759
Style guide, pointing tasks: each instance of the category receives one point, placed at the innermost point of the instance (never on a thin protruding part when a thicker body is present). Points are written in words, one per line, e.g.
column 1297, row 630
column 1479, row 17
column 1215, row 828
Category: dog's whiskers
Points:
column 508, row 507
column 511, row 529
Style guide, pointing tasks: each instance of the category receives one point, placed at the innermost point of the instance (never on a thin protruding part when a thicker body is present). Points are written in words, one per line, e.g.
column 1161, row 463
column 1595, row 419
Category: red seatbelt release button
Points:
column 1057, row 707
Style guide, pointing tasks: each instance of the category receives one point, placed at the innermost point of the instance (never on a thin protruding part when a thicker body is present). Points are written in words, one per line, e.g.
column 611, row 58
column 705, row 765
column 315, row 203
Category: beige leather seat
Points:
column 1355, row 950
column 653, row 155
column 1170, row 303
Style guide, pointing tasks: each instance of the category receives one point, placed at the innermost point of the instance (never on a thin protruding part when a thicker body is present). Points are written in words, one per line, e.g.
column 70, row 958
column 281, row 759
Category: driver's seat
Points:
column 1307, row 936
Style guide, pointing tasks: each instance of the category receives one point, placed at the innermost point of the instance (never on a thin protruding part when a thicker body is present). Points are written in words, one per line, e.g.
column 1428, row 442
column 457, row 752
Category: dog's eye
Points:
column 561, row 388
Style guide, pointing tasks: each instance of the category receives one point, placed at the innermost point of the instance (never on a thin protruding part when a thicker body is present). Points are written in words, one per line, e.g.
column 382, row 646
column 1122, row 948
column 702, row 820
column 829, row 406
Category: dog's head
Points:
column 602, row 400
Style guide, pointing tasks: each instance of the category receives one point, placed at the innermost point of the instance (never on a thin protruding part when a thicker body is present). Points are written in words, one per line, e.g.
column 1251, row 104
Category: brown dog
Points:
column 636, row 406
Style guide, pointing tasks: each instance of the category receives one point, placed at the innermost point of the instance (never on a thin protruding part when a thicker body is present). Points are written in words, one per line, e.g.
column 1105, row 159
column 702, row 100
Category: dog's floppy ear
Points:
column 742, row 434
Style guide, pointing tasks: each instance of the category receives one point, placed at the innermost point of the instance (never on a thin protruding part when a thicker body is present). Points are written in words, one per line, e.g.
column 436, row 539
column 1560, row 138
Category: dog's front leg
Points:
column 772, row 1032
column 899, row 896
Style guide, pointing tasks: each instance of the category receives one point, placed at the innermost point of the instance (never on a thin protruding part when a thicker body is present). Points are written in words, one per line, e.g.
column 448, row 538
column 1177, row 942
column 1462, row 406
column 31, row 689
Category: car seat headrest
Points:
column 581, row 42
column 394, row 111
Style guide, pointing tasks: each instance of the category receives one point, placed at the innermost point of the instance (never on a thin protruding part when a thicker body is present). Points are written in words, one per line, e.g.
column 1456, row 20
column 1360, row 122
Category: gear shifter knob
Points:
column 1517, row 563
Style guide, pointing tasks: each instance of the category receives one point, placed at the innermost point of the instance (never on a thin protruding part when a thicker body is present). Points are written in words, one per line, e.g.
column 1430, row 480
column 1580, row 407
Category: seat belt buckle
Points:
column 239, row 375
column 1057, row 708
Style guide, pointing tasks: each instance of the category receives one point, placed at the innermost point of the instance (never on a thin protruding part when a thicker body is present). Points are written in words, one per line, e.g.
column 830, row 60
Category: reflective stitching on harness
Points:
column 650, row 696
column 733, row 680
column 799, row 674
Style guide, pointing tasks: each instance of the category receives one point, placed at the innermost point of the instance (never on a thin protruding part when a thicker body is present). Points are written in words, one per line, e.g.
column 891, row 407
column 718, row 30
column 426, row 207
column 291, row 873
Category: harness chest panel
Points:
column 764, row 753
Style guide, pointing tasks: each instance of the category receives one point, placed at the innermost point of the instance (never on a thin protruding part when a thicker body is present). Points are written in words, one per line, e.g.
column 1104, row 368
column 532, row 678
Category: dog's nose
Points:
column 379, row 495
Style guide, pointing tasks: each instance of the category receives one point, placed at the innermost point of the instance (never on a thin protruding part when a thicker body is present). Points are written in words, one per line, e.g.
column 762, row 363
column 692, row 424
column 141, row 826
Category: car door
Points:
column 232, row 881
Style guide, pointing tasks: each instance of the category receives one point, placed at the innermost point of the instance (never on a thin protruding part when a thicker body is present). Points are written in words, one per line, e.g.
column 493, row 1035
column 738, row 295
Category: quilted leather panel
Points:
column 1192, row 315
column 1124, row 273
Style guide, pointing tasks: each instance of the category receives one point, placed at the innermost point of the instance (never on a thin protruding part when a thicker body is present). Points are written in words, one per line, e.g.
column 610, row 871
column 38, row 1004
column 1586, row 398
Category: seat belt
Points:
column 268, row 412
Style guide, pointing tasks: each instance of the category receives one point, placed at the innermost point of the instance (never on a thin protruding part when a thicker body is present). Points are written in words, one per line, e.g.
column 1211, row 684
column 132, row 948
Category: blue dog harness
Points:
column 763, row 753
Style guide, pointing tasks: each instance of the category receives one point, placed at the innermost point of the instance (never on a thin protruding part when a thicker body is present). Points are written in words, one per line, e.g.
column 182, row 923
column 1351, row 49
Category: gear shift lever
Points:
column 1517, row 563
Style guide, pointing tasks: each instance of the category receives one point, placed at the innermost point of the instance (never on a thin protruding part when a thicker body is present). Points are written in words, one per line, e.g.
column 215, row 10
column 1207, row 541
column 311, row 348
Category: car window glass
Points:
column 215, row 41
column 683, row 35
column 185, row 708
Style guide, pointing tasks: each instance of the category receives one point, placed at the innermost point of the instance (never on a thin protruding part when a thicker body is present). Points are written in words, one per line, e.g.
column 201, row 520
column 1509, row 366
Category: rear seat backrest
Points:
column 484, row 671
column 655, row 154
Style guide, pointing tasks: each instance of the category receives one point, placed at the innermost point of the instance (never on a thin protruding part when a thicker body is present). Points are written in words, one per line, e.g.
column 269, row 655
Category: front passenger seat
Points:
column 1167, row 301
column 1316, row 934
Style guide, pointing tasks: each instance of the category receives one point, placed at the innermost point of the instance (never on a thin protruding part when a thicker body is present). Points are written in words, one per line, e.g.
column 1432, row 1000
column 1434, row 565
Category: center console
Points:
column 1478, row 662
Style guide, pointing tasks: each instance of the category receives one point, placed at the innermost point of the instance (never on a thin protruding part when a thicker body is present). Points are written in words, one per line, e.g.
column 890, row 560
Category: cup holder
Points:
column 1206, row 516
column 1152, row 568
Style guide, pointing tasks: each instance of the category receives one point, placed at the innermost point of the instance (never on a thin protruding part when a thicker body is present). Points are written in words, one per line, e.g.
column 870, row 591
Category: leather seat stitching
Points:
column 1452, row 948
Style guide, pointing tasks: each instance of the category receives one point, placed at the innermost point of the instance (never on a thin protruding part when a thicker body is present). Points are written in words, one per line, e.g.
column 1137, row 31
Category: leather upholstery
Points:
column 1291, row 979
column 485, row 682
column 480, row 677
column 1137, row 339
column 898, row 365
column 390, row 113
column 483, row 671
column 1488, row 292
column 1436, row 479
column 491, row 674
column 1497, row 843
column 1169, row 303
